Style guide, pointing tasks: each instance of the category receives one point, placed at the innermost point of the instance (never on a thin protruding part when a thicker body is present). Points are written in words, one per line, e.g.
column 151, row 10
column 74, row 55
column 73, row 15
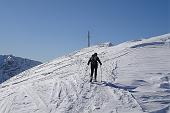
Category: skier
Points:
column 94, row 65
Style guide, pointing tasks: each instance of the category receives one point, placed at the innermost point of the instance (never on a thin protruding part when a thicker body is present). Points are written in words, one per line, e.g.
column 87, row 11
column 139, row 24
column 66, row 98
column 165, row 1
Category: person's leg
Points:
column 92, row 70
column 95, row 73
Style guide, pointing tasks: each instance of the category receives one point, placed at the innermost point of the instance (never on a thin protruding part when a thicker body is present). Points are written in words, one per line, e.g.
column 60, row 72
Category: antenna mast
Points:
column 88, row 38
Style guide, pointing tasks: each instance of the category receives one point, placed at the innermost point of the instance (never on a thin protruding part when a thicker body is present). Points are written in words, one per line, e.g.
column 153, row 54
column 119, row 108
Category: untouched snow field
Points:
column 135, row 79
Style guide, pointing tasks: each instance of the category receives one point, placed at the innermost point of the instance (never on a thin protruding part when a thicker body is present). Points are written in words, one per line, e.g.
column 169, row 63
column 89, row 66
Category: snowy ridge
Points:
column 11, row 65
column 134, row 80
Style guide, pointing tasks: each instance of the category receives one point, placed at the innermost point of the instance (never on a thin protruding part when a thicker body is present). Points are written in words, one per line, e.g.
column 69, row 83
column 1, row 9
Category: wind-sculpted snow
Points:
column 148, row 69
column 131, row 80
column 149, row 44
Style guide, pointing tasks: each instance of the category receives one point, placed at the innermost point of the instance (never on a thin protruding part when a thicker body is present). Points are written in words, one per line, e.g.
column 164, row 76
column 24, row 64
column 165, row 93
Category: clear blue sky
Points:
column 45, row 29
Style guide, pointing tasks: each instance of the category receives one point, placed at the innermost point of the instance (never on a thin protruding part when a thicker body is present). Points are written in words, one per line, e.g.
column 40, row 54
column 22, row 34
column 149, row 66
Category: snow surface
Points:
column 134, row 78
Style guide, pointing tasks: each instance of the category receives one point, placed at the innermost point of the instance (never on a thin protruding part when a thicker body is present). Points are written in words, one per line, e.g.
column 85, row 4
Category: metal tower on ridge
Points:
column 88, row 38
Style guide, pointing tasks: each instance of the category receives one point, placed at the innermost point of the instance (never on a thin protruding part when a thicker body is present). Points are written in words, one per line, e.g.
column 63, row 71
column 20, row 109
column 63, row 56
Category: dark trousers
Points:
column 92, row 71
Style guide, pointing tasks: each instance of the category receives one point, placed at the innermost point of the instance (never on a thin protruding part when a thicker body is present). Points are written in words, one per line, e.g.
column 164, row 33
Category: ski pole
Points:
column 101, row 72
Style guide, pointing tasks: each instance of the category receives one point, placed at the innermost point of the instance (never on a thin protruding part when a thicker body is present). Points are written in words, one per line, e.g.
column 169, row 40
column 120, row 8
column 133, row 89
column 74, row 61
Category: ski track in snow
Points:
column 6, row 104
column 36, row 99
column 62, row 85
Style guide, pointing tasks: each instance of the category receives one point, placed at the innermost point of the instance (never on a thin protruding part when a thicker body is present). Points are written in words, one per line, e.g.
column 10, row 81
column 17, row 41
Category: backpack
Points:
column 94, row 60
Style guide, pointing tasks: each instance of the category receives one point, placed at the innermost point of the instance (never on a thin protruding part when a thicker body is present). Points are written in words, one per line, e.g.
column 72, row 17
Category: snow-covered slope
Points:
column 135, row 79
column 11, row 65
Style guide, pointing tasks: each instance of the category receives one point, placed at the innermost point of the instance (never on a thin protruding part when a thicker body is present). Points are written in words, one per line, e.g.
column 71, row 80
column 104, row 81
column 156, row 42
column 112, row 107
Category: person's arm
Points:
column 99, row 60
column 89, row 61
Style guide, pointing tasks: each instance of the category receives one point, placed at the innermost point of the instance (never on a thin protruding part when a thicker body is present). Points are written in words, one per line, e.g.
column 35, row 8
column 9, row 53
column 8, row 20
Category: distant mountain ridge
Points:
column 11, row 66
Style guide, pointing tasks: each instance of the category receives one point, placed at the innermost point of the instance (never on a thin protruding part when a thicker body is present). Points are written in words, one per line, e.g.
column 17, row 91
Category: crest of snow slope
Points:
column 146, row 72
column 62, row 85
column 11, row 65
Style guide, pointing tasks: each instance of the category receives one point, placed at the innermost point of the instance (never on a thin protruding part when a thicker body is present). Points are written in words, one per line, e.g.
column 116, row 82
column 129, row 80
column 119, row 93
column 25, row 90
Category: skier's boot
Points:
column 91, row 79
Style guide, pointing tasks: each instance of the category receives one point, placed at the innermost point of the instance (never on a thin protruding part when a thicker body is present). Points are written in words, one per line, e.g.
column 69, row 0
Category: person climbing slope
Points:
column 94, row 65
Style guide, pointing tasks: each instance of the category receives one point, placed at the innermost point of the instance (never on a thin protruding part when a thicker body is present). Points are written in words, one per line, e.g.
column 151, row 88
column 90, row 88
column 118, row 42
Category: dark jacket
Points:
column 94, row 61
